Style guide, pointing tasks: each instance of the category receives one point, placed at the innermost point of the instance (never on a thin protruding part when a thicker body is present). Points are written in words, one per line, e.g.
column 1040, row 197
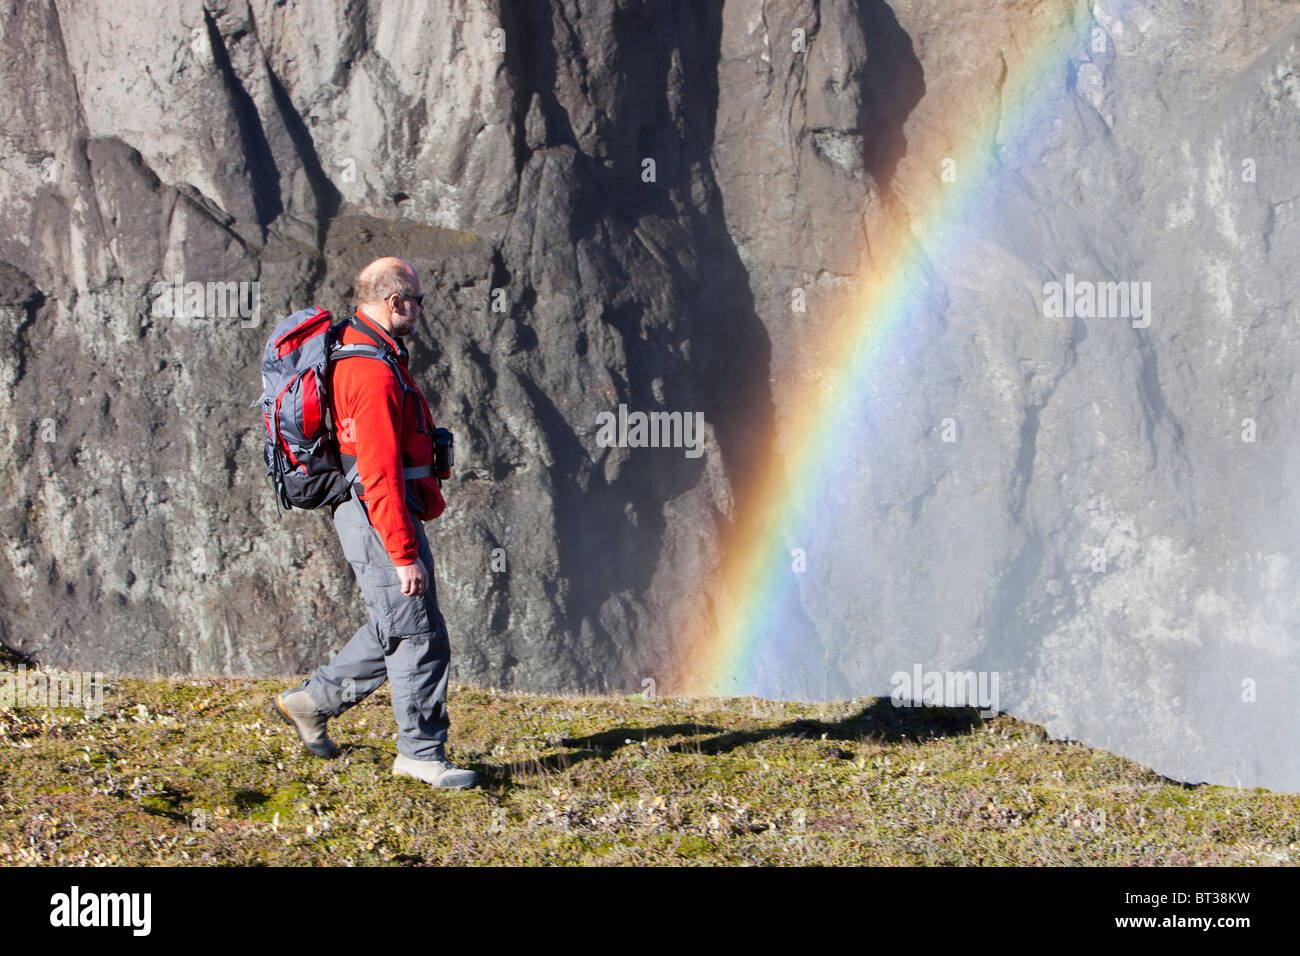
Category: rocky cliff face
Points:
column 1114, row 530
column 501, row 147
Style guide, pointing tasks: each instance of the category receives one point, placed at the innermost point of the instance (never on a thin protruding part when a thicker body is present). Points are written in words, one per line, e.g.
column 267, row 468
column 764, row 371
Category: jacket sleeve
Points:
column 371, row 394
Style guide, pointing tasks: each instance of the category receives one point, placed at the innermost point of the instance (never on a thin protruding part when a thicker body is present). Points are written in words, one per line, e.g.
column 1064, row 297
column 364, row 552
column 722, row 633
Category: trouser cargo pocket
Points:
column 404, row 615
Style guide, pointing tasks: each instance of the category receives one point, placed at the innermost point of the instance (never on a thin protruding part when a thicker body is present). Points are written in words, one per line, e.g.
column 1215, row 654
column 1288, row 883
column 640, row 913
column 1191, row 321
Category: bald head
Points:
column 383, row 291
column 384, row 277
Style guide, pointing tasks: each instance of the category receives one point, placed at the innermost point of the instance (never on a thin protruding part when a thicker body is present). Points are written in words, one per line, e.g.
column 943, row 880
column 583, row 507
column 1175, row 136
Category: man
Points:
column 385, row 434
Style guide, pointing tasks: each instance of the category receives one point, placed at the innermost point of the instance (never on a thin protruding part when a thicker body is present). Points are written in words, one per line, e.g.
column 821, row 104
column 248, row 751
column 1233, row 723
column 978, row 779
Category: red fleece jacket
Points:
column 385, row 433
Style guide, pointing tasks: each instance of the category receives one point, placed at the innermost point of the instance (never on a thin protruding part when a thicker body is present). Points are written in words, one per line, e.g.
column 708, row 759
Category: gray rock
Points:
column 1098, row 534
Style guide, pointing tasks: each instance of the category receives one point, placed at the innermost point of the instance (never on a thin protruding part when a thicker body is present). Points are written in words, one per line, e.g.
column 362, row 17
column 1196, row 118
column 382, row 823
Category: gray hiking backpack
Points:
column 301, row 454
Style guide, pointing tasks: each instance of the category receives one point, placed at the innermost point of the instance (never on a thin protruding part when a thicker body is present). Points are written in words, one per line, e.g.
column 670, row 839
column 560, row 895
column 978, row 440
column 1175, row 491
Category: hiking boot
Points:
column 437, row 772
column 297, row 709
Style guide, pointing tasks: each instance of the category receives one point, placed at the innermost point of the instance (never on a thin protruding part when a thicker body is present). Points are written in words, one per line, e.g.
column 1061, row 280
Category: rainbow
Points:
column 732, row 623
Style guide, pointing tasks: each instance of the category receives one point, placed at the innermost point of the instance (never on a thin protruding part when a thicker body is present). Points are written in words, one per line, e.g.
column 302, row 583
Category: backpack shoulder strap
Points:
column 344, row 351
column 369, row 351
column 379, row 350
column 351, row 322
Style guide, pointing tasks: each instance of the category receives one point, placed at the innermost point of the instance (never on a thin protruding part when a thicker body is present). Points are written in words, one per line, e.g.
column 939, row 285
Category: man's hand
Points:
column 414, row 578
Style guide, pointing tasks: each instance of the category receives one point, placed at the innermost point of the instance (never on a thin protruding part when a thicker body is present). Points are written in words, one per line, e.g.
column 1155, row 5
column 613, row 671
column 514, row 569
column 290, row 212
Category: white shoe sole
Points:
column 440, row 786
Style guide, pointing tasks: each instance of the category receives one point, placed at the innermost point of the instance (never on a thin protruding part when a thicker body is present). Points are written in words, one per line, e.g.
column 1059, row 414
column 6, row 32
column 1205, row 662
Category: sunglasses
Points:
column 418, row 298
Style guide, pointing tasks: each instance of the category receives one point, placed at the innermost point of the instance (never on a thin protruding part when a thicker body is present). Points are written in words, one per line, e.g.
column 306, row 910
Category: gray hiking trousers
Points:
column 404, row 641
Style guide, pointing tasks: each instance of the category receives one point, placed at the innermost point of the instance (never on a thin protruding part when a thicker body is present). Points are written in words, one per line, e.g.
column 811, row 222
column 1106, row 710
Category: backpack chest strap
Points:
column 409, row 473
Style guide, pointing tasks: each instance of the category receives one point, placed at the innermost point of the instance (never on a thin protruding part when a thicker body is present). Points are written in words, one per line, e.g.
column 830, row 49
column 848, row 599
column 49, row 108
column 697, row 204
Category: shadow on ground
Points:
column 880, row 722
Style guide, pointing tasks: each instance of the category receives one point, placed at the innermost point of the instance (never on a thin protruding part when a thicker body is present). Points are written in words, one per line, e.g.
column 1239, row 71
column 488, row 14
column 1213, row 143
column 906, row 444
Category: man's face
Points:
column 406, row 310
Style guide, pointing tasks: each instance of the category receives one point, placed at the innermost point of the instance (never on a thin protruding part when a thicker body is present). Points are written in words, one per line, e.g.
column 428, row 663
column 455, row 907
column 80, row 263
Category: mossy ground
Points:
column 195, row 772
